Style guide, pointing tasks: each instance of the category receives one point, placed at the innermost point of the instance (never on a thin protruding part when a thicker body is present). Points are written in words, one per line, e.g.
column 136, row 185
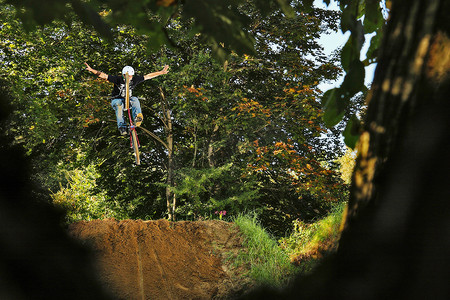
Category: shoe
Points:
column 123, row 130
column 139, row 119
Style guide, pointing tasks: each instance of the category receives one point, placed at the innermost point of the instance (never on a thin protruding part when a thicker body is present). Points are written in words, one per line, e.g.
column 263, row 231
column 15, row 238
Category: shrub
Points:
column 79, row 201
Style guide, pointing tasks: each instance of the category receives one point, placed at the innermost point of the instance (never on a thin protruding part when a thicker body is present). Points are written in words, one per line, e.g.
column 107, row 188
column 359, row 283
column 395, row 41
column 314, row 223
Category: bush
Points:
column 78, row 200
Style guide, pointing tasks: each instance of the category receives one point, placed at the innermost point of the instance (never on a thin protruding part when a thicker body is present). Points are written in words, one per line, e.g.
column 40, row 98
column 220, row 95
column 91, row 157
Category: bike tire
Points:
column 135, row 144
column 127, row 91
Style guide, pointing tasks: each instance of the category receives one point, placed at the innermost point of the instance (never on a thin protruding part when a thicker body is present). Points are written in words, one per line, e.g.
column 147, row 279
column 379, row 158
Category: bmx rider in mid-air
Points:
column 119, row 90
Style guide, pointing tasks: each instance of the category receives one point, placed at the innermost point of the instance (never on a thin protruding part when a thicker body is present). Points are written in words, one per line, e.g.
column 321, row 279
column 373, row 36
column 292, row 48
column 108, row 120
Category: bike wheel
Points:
column 135, row 144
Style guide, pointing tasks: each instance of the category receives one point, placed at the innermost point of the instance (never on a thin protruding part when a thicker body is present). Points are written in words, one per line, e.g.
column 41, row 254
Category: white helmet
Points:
column 128, row 69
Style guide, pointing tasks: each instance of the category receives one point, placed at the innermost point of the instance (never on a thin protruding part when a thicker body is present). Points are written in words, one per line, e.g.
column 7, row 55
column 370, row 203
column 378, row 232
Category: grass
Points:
column 269, row 264
column 310, row 242
column 273, row 263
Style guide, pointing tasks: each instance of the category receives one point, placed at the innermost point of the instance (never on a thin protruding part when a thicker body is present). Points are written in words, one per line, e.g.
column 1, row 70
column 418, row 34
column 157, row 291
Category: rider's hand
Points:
column 165, row 70
column 88, row 67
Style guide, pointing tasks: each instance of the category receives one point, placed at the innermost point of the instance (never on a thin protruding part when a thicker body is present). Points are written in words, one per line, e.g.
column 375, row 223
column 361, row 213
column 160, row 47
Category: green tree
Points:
column 220, row 21
column 42, row 68
column 225, row 108
column 63, row 116
column 246, row 128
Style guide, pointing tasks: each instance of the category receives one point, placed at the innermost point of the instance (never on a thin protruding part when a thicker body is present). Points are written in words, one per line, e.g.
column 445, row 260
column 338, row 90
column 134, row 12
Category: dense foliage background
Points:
column 396, row 201
column 240, row 133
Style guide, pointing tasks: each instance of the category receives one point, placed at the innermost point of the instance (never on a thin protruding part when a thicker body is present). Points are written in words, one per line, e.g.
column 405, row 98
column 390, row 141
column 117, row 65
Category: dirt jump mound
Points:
column 163, row 260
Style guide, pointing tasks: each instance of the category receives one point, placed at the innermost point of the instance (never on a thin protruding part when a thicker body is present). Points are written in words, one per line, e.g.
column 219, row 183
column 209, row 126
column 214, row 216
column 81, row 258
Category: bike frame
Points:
column 134, row 141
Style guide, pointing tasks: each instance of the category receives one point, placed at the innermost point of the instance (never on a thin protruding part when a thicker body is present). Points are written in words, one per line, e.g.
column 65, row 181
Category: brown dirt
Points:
column 165, row 260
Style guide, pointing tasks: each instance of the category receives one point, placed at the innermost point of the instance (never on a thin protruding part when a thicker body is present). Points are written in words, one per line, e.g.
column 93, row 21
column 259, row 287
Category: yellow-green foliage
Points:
column 347, row 162
column 312, row 241
column 79, row 201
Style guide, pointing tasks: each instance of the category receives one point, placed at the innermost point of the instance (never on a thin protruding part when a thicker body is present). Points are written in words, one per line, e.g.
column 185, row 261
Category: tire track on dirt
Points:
column 140, row 269
column 164, row 276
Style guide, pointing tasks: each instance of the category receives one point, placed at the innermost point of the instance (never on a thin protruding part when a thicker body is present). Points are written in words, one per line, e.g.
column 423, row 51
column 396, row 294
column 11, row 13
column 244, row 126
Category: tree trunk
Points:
column 211, row 160
column 168, row 127
column 396, row 241
column 170, row 197
column 412, row 68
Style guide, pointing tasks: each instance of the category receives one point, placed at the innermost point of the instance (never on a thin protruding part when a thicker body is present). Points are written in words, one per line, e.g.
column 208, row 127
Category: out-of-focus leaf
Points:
column 358, row 34
column 351, row 132
column 263, row 6
column 308, row 3
column 157, row 38
column 89, row 16
column 372, row 52
column 347, row 54
column 348, row 18
column 374, row 18
column 221, row 24
column 344, row 3
column 352, row 49
column 34, row 13
column 286, row 8
column 334, row 105
column 354, row 79
column 266, row 7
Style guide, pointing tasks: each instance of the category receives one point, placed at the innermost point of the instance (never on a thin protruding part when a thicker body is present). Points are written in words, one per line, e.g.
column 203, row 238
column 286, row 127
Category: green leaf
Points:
column 352, row 49
column 222, row 25
column 354, row 79
column 89, row 16
column 343, row 4
column 307, row 6
column 372, row 52
column 348, row 18
column 286, row 8
column 347, row 54
column 351, row 132
column 157, row 38
column 373, row 20
column 264, row 7
column 40, row 12
column 334, row 104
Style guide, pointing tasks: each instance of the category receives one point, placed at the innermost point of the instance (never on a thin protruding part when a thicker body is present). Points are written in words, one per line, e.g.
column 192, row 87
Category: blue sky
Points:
column 337, row 40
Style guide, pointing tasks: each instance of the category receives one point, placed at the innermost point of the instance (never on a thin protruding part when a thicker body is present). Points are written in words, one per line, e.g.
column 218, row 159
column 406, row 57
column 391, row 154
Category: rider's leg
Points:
column 136, row 110
column 117, row 105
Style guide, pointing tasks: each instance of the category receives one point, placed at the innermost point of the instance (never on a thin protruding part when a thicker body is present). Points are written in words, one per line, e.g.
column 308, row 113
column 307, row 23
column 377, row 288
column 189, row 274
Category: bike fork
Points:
column 132, row 128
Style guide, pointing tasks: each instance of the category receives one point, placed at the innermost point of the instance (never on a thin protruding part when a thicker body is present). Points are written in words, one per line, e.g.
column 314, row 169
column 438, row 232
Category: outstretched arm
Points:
column 98, row 73
column 155, row 74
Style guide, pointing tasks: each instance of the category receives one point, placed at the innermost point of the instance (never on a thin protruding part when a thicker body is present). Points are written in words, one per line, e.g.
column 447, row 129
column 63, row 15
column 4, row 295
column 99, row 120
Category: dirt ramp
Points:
column 160, row 259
